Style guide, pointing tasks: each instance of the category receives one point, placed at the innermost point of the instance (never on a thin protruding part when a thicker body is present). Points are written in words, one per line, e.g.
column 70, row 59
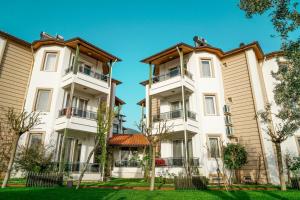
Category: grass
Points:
column 129, row 182
column 90, row 194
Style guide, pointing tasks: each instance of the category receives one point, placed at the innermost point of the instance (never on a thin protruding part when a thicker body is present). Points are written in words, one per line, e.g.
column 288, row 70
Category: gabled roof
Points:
column 273, row 54
column 15, row 39
column 128, row 140
column 172, row 53
column 168, row 54
column 85, row 47
column 119, row 101
column 142, row 102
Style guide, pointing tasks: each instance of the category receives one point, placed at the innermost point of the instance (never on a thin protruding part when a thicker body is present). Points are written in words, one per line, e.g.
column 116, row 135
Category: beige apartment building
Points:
column 15, row 66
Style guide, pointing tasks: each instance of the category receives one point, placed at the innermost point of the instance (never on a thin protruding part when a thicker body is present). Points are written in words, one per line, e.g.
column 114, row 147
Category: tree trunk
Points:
column 152, row 169
column 85, row 166
column 11, row 161
column 280, row 166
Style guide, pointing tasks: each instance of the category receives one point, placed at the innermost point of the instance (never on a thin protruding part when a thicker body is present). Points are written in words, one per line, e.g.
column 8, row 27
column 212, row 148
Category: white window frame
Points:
column 210, row 68
column 46, row 59
column 215, row 104
column 37, row 99
column 219, row 149
column 30, row 137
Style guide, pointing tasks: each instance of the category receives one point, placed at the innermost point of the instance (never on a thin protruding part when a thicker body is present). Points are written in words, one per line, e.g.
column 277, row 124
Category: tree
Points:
column 18, row 124
column 235, row 157
column 281, row 131
column 105, row 116
column 285, row 18
column 36, row 158
column 155, row 133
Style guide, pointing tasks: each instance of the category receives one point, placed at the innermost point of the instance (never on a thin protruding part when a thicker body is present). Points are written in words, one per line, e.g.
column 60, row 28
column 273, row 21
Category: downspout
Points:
column 184, row 112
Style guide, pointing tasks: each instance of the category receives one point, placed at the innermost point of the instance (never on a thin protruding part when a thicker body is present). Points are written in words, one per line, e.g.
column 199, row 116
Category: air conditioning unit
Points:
column 228, row 120
column 226, row 109
column 229, row 130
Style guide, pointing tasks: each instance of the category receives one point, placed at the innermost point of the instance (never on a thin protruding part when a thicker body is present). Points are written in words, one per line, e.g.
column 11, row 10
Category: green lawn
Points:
column 90, row 194
column 137, row 182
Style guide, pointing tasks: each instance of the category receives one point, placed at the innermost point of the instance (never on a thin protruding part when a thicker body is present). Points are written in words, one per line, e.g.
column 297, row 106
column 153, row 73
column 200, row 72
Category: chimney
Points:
column 242, row 44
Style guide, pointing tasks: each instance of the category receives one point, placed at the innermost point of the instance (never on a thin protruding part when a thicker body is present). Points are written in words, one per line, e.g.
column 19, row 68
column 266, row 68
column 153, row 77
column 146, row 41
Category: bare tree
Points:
column 18, row 124
column 105, row 116
column 278, row 134
column 155, row 133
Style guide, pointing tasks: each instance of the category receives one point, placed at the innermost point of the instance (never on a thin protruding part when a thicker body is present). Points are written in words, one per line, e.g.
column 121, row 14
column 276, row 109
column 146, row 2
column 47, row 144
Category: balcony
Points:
column 80, row 120
column 75, row 112
column 127, row 163
column 78, row 166
column 176, row 162
column 159, row 162
column 175, row 114
column 175, row 121
column 171, row 81
column 88, row 78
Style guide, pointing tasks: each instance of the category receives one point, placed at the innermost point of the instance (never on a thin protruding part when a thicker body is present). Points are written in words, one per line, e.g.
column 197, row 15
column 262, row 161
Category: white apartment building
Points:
column 69, row 79
column 222, row 92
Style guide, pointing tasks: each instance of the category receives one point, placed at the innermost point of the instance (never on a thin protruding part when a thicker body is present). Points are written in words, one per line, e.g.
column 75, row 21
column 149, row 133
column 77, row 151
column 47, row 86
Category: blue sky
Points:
column 136, row 29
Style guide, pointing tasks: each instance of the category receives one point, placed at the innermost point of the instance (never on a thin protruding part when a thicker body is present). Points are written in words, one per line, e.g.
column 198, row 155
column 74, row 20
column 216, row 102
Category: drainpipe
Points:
column 184, row 112
column 69, row 111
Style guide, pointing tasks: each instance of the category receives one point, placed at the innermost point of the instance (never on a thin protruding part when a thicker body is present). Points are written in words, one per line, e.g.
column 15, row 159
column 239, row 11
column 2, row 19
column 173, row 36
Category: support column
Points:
column 186, row 154
column 68, row 113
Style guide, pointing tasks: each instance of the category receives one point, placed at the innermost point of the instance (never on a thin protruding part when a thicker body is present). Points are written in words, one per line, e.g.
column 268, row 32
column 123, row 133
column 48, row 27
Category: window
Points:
column 178, row 148
column 43, row 100
column 50, row 62
column 35, row 139
column 298, row 140
column 174, row 71
column 214, row 150
column 210, row 105
column 206, row 69
column 115, row 128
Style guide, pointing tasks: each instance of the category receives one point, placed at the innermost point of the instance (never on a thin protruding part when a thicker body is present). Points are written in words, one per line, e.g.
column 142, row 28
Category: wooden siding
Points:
column 15, row 70
column 155, row 106
column 237, row 86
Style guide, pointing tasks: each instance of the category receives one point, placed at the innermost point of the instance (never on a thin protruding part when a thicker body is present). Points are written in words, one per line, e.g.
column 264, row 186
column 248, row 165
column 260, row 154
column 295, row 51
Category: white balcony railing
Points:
column 171, row 74
column 175, row 114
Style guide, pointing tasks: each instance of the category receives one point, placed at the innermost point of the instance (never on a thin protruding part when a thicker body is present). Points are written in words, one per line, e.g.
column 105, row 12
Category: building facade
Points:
column 213, row 102
column 69, row 80
column 15, row 68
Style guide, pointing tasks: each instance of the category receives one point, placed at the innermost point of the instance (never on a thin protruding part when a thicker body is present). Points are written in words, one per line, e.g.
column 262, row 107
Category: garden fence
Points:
column 35, row 179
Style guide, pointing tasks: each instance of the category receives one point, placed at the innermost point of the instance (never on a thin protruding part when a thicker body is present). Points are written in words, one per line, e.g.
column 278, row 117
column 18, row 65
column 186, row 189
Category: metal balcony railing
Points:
column 87, row 71
column 176, row 162
column 173, row 115
column 77, row 167
column 127, row 163
column 78, row 113
column 171, row 74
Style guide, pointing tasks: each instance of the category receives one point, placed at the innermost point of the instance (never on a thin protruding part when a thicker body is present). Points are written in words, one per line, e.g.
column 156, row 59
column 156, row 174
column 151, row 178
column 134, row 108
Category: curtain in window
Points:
column 42, row 100
column 210, row 105
column 214, row 147
column 50, row 62
column 177, row 149
column 206, row 70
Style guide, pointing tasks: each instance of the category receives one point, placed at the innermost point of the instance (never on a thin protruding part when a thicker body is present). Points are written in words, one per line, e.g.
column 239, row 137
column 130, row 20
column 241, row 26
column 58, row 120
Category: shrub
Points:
column 37, row 158
column 235, row 157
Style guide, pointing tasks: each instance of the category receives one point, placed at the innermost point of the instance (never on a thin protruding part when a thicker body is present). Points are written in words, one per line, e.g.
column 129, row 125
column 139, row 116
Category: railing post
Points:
column 184, row 110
